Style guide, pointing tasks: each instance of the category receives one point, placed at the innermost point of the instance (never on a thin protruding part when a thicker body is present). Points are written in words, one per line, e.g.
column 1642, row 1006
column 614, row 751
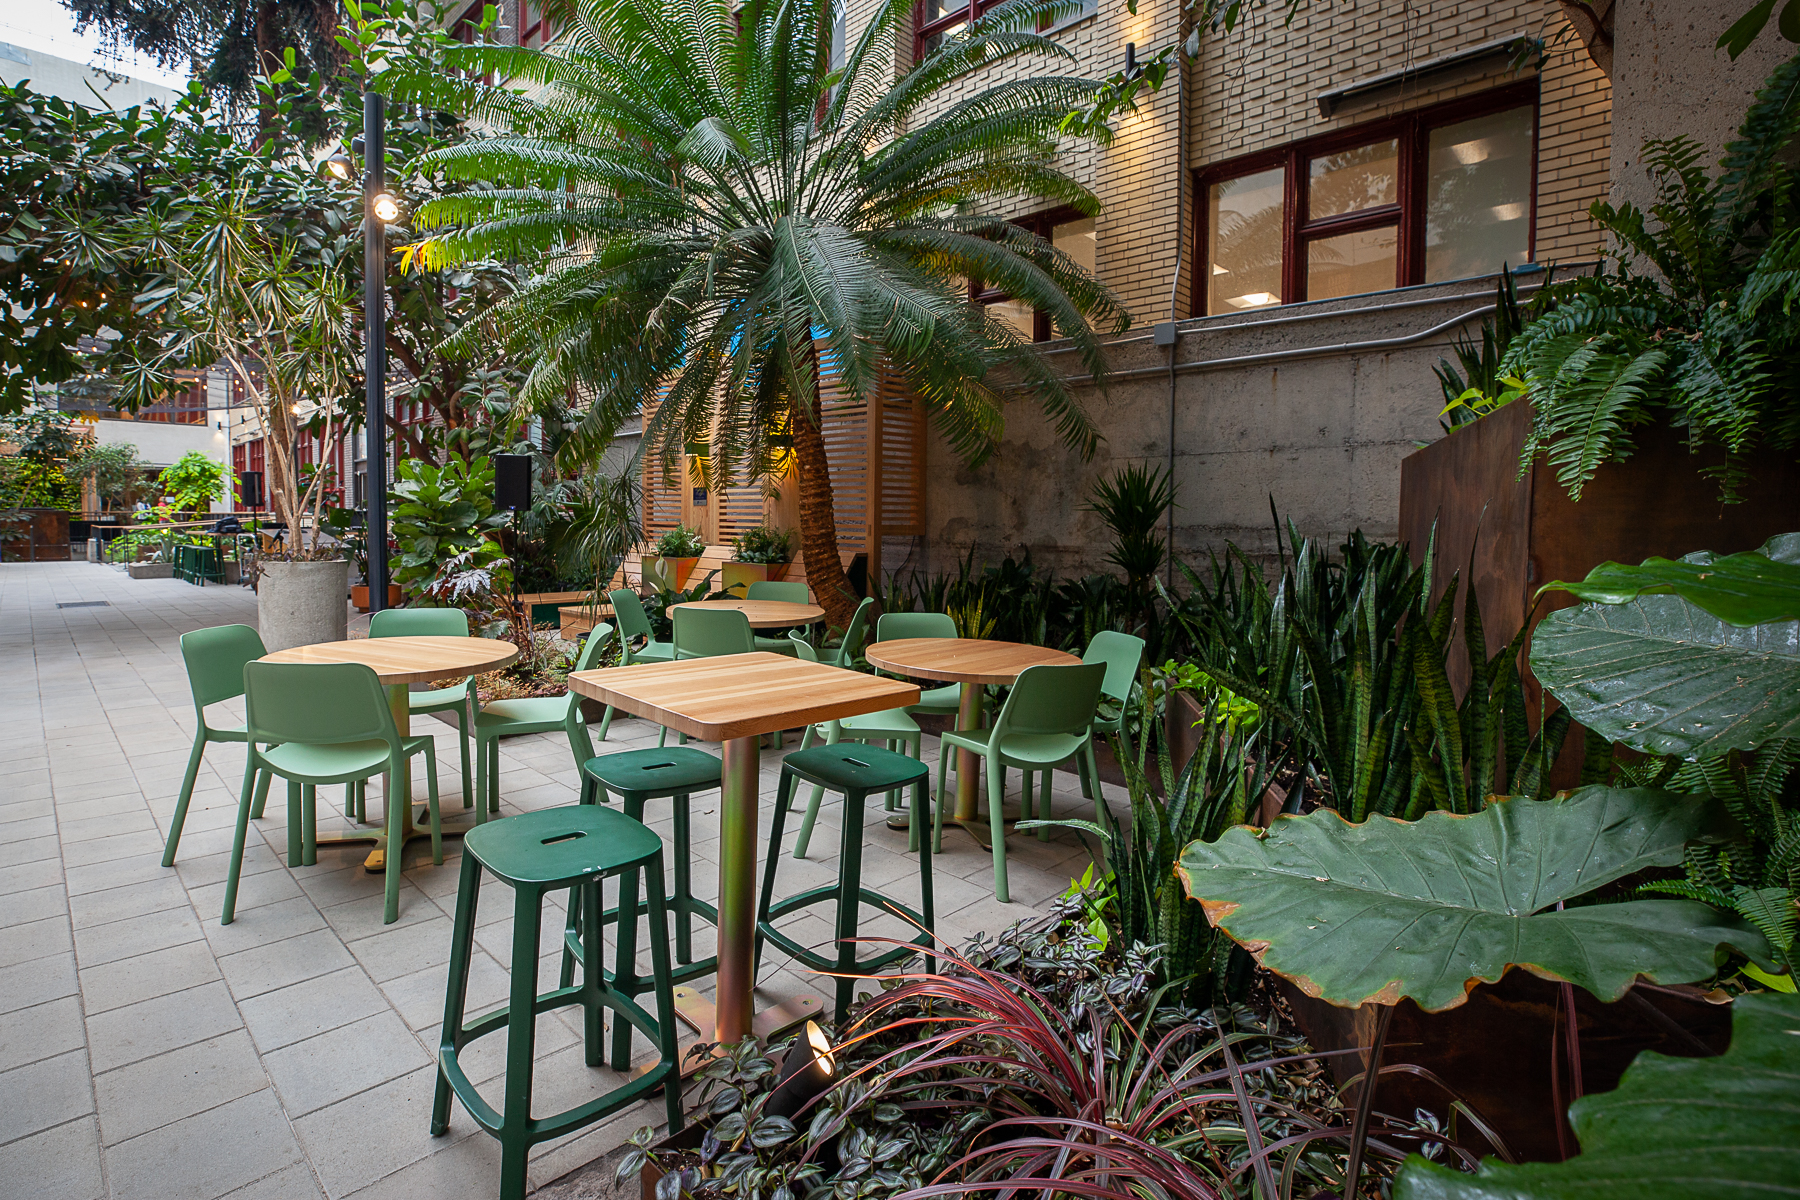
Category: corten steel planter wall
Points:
column 1495, row 1051
column 1530, row 532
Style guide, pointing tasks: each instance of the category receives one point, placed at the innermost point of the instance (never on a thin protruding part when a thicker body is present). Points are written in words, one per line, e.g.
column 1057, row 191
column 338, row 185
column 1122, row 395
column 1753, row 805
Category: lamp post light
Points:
column 376, row 214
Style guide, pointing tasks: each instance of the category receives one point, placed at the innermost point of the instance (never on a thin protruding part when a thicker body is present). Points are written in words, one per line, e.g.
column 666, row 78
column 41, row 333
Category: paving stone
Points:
column 41, row 1031
column 146, row 976
column 205, row 1155
column 287, row 1015
column 27, row 984
column 96, row 945
column 155, row 895
column 149, row 1094
column 392, row 1125
column 150, row 1027
column 22, row 943
column 265, row 968
column 342, row 1062
column 58, row 1090
column 58, row 1164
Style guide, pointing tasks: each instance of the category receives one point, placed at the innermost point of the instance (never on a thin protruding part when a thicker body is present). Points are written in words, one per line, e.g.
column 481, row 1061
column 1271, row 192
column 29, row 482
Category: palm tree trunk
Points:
column 818, row 524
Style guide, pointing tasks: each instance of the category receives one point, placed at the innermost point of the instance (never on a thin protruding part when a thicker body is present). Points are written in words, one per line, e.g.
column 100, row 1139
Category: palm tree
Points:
column 723, row 198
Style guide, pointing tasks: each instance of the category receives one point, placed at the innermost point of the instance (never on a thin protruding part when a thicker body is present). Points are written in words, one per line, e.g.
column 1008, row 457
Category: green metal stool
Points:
column 534, row 853
column 856, row 772
column 637, row 776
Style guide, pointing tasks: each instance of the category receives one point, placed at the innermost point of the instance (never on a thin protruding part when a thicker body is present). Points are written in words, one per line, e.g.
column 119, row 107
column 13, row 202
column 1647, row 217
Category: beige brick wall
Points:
column 1257, row 88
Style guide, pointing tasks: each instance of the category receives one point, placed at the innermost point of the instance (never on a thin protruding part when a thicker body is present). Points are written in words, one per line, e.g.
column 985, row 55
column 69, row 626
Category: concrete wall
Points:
column 160, row 443
column 76, row 83
column 1670, row 80
column 1320, row 429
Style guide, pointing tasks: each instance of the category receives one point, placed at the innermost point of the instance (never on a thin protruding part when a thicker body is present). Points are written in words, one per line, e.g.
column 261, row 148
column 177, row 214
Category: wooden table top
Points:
column 741, row 695
column 401, row 660
column 764, row 614
column 963, row 660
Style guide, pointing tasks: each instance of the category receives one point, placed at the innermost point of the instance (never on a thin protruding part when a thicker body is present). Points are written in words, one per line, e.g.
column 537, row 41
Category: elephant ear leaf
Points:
column 1680, row 673
column 1388, row 909
column 1725, row 1128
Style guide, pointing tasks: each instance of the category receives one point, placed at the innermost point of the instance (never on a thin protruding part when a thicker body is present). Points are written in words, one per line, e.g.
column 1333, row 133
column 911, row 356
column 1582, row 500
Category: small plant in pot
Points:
column 758, row 554
column 675, row 554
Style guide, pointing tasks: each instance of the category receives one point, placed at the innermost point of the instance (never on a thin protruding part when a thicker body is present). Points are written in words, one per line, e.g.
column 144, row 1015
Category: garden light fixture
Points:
column 340, row 166
column 386, row 208
column 806, row 1071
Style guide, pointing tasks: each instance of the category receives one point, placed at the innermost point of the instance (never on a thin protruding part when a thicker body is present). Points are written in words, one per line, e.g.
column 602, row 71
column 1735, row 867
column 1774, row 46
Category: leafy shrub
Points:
column 441, row 518
column 193, row 482
column 681, row 542
column 27, row 483
column 764, row 544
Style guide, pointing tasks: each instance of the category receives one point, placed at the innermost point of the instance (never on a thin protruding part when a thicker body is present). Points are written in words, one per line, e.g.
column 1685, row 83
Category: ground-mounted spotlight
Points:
column 807, row 1071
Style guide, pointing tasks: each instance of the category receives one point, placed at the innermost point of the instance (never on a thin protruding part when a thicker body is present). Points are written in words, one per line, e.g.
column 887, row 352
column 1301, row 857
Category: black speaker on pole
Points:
column 512, row 481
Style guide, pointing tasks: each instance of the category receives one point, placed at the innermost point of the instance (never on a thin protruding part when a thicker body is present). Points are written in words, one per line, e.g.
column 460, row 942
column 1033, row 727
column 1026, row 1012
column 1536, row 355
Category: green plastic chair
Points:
column 1122, row 653
column 633, row 623
column 532, row 714
column 215, row 661
column 707, row 633
column 844, row 653
column 891, row 727
column 788, row 593
column 326, row 723
column 433, row 622
column 1047, row 719
column 899, row 627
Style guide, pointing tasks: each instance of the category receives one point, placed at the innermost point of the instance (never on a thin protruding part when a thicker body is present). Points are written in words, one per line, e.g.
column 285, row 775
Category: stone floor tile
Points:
column 262, row 924
column 25, row 877
column 290, row 1183
column 100, row 877
column 156, row 1091
column 28, row 850
column 206, row 1155
column 279, row 964
column 41, row 1031
column 57, row 1089
column 392, row 1128
column 28, row 984
column 147, row 976
column 22, row 943
column 342, row 1062
column 22, row 908
column 155, row 895
column 404, row 949
column 96, row 945
column 290, row 1014
column 58, row 1164
column 151, row 1027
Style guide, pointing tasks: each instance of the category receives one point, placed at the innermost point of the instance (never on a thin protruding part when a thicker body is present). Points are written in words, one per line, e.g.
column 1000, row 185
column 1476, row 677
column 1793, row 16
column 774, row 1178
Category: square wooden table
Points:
column 734, row 699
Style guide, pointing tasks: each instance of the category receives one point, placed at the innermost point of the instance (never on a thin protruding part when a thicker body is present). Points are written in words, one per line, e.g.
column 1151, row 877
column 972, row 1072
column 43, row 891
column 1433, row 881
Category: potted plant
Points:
column 764, row 552
column 677, row 550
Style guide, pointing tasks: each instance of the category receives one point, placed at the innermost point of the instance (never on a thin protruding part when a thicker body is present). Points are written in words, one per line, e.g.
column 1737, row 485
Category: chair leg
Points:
column 493, row 776
column 833, row 732
column 1027, row 810
column 262, row 796
column 784, row 791
column 396, row 847
column 849, row 904
column 915, row 746
column 580, row 744
column 431, row 801
column 1044, row 813
column 309, row 824
column 187, row 794
column 229, row 913
column 996, row 777
column 456, row 996
column 606, row 722
column 462, row 740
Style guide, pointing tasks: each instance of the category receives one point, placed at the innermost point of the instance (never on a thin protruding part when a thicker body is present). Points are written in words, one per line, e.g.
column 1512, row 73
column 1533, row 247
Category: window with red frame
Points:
column 1069, row 232
column 1445, row 193
column 936, row 20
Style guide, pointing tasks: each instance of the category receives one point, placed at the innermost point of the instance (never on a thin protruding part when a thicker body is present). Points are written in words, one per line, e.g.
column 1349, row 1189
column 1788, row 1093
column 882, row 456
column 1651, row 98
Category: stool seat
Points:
column 560, row 845
column 666, row 770
column 855, row 768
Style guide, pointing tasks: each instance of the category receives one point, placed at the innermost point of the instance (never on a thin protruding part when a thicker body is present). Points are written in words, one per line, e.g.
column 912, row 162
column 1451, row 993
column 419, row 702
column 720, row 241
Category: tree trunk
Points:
column 818, row 524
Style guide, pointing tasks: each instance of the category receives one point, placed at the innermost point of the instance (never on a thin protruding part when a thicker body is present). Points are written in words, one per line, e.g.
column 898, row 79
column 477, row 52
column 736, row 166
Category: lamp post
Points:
column 375, row 341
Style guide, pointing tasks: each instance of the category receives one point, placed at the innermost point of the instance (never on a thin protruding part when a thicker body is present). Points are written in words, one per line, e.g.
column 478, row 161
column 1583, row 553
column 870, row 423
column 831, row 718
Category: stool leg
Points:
column 916, row 745
column 833, row 732
column 625, row 972
column 593, row 970
column 684, row 894
column 665, row 995
column 921, row 804
column 784, row 792
column 456, row 995
column 849, row 905
column 521, row 1043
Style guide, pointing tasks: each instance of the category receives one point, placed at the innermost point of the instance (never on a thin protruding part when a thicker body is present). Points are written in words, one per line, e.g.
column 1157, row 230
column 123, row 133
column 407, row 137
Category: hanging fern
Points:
column 1694, row 321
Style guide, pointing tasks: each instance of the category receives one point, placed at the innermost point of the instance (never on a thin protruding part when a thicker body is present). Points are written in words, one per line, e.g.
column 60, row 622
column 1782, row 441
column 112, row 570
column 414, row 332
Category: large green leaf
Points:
column 1725, row 1128
column 1427, row 909
column 1661, row 676
column 1751, row 588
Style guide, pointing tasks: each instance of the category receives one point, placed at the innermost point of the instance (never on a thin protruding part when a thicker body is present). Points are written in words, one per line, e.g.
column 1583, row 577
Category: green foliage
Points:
column 28, row 483
column 1696, row 325
column 1724, row 1128
column 117, row 472
column 1017, row 601
column 1474, row 385
column 763, row 544
column 42, row 434
column 1133, row 503
column 681, row 542
column 1735, row 40
column 1752, row 588
column 1427, row 909
column 194, row 481
column 442, row 519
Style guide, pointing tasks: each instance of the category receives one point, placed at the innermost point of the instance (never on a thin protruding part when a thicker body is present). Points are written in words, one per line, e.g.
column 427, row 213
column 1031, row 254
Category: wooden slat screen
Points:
column 662, row 500
column 901, row 458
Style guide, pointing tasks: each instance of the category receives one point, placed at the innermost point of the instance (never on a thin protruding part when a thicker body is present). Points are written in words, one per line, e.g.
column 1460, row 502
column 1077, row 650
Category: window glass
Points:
column 1243, row 241
column 1365, row 177
column 1352, row 263
column 1076, row 239
column 1020, row 315
column 1478, row 195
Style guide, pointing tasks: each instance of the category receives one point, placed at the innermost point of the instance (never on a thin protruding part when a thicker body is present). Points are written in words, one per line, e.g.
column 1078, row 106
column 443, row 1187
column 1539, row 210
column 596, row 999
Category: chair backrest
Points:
column 803, row 649
column 777, row 589
column 845, row 654
column 628, row 613
column 705, row 632
column 215, row 661
column 316, row 704
column 596, row 641
column 1122, row 653
column 1049, row 699
column 419, row 622
column 895, row 627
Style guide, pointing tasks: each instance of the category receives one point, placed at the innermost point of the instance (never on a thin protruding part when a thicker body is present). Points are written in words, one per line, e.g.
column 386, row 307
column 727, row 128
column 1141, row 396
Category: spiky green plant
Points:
column 730, row 209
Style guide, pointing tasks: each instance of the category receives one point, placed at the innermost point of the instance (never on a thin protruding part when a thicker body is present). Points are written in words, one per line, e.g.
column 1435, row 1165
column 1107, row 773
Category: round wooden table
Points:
column 764, row 614
column 974, row 663
column 397, row 662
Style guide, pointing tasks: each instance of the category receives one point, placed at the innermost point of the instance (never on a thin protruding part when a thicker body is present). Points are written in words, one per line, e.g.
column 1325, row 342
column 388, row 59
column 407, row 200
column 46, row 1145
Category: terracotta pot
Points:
column 738, row 576
column 359, row 596
column 669, row 573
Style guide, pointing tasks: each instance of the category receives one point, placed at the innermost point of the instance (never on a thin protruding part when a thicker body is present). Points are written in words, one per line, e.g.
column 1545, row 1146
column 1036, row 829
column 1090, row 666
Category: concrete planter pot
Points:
column 738, row 576
column 302, row 603
column 150, row 570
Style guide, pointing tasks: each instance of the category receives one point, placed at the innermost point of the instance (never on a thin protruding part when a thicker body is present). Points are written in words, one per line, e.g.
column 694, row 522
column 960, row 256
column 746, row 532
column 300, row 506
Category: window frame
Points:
column 1042, row 224
column 1412, row 132
column 972, row 10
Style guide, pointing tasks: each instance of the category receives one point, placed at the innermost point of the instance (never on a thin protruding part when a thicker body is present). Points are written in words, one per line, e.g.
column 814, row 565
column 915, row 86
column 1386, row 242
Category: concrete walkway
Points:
column 146, row 1051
